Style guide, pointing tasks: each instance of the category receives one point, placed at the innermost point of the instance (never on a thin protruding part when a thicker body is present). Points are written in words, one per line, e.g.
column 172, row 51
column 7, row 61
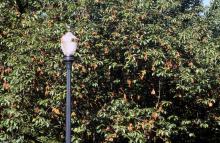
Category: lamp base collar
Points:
column 68, row 58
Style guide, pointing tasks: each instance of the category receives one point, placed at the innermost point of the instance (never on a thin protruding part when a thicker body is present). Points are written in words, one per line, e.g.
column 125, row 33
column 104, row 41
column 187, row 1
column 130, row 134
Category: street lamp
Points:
column 68, row 46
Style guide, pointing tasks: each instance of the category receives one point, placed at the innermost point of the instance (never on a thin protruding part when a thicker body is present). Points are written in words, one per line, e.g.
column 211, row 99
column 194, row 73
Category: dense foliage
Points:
column 145, row 71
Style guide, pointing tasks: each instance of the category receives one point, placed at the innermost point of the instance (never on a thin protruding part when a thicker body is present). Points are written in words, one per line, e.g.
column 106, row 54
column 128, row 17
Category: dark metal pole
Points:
column 68, row 60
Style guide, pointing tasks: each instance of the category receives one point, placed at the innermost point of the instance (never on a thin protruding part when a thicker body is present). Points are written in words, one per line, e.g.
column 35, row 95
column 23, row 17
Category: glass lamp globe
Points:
column 69, row 44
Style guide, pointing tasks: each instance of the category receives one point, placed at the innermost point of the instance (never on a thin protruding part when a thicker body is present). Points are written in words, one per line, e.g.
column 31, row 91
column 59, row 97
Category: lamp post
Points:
column 68, row 46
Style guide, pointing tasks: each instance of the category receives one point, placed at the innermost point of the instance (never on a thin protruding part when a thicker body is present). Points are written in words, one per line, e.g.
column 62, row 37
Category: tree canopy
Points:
column 145, row 71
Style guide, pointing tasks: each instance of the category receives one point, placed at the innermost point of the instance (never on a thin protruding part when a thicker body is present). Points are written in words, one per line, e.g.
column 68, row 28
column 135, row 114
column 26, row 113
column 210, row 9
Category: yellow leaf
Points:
column 36, row 110
column 129, row 82
column 153, row 68
column 6, row 85
column 130, row 127
column 153, row 92
column 210, row 104
column 154, row 115
column 56, row 111
column 106, row 50
column 73, row 114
